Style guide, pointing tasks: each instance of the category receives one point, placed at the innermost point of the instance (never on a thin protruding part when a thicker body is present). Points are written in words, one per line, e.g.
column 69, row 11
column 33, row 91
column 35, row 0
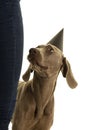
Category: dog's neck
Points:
column 43, row 89
column 44, row 83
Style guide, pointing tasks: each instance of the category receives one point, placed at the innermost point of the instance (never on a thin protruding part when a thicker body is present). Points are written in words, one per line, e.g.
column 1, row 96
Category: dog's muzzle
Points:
column 35, row 58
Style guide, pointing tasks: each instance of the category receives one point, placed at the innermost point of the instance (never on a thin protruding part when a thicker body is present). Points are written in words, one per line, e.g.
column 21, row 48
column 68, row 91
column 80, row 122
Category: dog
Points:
column 34, row 109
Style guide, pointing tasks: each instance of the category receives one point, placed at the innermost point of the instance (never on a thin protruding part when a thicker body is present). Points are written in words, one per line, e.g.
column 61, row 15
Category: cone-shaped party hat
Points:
column 57, row 40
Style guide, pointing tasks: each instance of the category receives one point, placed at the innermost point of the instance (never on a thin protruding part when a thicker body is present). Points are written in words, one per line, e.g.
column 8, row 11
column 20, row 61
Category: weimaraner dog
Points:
column 34, row 108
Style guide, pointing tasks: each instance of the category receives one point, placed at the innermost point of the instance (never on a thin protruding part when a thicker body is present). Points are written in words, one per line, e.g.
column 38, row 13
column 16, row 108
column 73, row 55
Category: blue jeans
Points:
column 11, row 51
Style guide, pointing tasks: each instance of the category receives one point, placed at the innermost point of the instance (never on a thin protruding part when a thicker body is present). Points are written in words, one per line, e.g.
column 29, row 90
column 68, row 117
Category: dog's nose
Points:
column 32, row 51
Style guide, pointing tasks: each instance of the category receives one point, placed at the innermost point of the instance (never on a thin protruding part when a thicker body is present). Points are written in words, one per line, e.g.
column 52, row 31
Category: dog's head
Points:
column 48, row 60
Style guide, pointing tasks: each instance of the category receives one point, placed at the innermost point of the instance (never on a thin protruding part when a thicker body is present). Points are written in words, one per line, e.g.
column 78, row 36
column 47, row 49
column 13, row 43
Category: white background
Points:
column 42, row 20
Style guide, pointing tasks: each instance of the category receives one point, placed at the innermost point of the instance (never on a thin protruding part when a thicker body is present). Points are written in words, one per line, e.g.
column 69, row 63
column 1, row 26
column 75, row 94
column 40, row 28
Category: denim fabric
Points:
column 11, row 51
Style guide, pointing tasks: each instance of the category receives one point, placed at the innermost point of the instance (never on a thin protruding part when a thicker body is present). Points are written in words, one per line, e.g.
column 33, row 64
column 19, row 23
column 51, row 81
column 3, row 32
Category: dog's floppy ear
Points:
column 67, row 73
column 26, row 75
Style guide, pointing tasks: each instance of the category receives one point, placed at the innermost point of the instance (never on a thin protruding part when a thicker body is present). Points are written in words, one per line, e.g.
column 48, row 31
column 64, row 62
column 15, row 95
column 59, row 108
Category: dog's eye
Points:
column 50, row 49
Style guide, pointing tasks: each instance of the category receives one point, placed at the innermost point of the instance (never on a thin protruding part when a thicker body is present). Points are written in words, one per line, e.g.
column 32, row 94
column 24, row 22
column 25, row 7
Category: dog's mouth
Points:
column 34, row 62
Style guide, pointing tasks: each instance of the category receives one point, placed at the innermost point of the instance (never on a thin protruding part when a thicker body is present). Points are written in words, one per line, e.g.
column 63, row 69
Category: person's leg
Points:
column 11, row 50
